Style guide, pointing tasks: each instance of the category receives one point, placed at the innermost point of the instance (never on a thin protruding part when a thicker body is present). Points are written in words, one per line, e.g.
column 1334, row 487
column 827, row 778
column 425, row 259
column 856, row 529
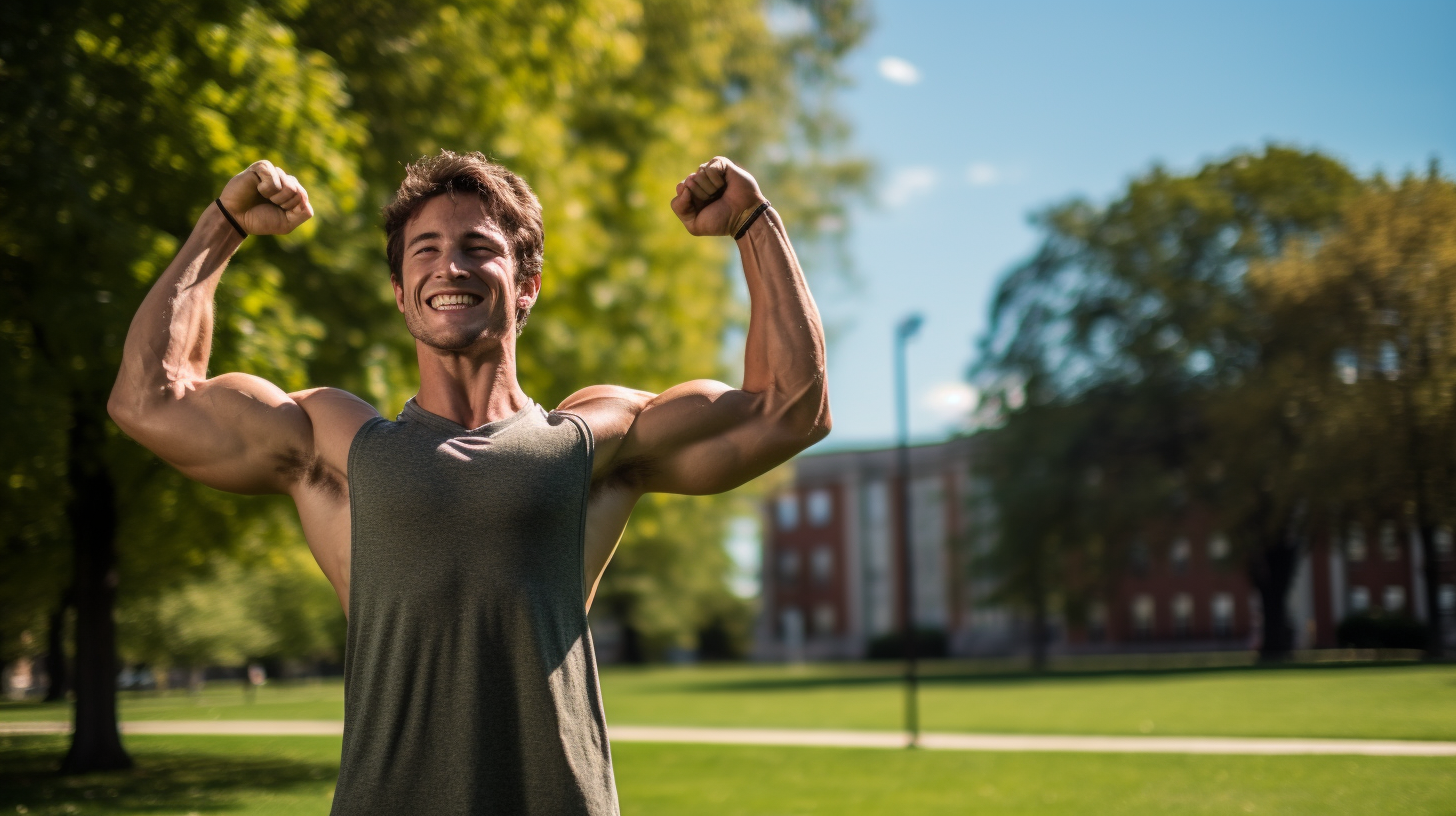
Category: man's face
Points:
column 457, row 286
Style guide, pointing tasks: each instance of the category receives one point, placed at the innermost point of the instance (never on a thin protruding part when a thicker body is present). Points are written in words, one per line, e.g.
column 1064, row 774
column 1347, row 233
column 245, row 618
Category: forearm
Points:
column 170, row 338
column 784, row 359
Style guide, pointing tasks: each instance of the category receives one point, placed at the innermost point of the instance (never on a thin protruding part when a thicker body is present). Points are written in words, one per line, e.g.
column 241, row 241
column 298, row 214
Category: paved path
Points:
column 838, row 739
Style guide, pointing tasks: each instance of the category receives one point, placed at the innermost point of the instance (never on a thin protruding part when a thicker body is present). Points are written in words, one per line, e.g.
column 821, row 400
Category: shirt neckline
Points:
column 414, row 413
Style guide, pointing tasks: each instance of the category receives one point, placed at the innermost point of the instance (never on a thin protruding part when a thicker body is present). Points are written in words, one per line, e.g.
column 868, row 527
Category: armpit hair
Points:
column 309, row 468
column 629, row 473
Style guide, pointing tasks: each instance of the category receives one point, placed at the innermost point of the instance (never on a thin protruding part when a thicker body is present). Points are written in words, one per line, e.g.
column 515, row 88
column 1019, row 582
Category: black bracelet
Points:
column 231, row 220
column 757, row 211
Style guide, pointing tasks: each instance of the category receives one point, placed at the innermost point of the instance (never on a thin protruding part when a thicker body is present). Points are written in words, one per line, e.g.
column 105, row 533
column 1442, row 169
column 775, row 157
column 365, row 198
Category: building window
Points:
column 1443, row 543
column 1097, row 621
column 1218, row 547
column 788, row 511
column 1355, row 543
column 824, row 620
column 791, row 624
column 821, row 565
column 1446, row 599
column 1394, row 599
column 1182, row 613
column 1359, row 600
column 1222, row 609
column 1179, row 555
column 1143, row 615
column 1138, row 558
column 1389, row 541
column 821, row 508
column 789, row 567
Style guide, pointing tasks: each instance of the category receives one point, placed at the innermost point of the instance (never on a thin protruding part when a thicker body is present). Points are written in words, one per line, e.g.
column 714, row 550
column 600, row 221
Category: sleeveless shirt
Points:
column 470, row 682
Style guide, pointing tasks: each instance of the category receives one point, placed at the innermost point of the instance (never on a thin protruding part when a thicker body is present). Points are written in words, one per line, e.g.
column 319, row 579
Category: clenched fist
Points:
column 265, row 200
column 717, row 198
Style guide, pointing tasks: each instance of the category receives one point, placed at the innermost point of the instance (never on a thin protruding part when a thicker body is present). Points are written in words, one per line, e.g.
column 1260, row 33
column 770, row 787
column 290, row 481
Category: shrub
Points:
column 1363, row 631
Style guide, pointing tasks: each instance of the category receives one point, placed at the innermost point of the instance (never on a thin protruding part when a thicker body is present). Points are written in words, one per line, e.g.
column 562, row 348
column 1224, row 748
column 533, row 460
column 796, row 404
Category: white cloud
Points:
column 899, row 71
column 982, row 174
column 952, row 400
column 908, row 183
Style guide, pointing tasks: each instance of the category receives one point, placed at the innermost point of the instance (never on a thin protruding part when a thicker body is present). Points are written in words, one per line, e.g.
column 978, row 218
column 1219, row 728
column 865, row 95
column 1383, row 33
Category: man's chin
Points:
column 456, row 340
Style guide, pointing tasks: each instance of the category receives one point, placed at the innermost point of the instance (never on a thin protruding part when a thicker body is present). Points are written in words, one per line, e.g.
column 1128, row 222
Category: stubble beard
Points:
column 459, row 338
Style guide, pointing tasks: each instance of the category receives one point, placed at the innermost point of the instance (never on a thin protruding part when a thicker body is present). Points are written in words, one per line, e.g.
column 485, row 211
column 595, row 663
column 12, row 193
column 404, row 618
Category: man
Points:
column 467, row 538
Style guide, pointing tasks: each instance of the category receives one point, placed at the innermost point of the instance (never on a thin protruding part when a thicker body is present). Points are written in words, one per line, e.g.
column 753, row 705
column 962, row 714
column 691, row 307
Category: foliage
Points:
column 122, row 120
column 1360, row 366
column 1103, row 351
column 1382, row 632
column 603, row 106
column 279, row 607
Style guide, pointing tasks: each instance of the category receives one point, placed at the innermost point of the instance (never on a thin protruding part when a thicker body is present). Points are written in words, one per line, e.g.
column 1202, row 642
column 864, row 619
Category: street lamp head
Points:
column 908, row 326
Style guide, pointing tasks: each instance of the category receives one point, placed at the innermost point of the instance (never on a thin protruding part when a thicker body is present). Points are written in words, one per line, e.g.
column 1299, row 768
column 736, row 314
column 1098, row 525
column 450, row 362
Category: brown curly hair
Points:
column 507, row 198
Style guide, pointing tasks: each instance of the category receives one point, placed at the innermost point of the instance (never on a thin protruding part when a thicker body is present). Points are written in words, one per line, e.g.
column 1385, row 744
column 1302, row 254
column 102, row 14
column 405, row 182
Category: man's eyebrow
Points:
column 493, row 237
column 424, row 236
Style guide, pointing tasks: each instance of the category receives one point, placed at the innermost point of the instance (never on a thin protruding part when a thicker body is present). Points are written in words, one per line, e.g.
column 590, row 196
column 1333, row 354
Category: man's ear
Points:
column 398, row 292
column 528, row 290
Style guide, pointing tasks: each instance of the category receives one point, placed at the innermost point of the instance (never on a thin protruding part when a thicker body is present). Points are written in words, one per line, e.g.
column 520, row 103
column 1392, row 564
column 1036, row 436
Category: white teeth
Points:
column 451, row 302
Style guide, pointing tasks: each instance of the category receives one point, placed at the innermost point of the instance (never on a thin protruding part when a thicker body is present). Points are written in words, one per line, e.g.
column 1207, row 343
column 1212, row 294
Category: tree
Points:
column 1363, row 362
column 120, row 120
column 1145, row 301
column 602, row 106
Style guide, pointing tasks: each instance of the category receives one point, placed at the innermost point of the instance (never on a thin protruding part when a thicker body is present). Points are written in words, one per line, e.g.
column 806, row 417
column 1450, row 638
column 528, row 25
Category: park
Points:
column 831, row 406
column 1346, row 701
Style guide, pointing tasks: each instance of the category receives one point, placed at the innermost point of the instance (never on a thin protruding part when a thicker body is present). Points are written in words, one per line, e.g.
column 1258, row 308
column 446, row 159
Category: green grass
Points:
column 176, row 775
column 295, row 776
column 299, row 700
column 1397, row 702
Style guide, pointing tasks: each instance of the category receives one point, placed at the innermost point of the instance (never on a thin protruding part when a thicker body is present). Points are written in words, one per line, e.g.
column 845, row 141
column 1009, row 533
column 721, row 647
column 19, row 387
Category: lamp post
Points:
column 904, row 330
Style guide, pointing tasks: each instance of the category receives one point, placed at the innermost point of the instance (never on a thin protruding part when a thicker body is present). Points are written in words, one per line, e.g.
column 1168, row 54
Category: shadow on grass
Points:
column 1018, row 676
column 161, row 780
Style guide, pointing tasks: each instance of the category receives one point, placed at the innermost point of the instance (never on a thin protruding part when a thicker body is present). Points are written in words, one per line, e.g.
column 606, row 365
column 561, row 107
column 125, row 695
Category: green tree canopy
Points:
column 1104, row 348
column 122, row 120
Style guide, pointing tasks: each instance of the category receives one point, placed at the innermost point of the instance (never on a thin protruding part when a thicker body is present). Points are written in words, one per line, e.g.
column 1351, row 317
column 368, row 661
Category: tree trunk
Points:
column 1431, row 577
column 96, row 743
column 1038, row 613
column 1039, row 635
column 1271, row 570
column 56, row 669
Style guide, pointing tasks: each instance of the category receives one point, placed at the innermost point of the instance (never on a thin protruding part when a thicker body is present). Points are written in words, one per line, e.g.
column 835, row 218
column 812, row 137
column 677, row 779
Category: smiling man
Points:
column 467, row 537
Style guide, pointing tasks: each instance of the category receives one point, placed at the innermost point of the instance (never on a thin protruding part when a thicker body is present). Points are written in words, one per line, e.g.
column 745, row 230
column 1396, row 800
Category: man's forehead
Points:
column 453, row 213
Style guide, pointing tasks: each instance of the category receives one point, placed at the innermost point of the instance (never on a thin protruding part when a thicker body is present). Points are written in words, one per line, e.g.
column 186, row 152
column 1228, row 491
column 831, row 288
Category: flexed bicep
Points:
column 234, row 432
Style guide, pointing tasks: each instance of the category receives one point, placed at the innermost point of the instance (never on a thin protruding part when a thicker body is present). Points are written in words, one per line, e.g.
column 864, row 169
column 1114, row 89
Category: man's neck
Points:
column 469, row 388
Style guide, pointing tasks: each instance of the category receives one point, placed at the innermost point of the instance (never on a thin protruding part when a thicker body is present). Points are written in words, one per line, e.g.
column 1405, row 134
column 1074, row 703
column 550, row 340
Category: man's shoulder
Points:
column 336, row 416
column 607, row 406
column 609, row 410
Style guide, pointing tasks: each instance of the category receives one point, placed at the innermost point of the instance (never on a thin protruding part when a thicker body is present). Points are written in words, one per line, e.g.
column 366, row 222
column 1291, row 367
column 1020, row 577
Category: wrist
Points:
column 215, row 229
column 739, row 225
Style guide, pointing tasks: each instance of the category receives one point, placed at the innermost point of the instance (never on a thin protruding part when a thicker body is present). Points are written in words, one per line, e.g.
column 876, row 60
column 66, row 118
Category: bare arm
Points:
column 704, row 436
column 235, row 432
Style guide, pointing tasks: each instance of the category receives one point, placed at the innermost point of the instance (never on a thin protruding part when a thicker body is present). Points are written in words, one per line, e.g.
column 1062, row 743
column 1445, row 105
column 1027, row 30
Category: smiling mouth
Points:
column 452, row 303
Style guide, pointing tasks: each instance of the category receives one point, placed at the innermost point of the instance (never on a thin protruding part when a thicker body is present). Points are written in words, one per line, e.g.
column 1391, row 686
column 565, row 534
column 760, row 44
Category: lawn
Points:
column 1398, row 701
column 286, row 776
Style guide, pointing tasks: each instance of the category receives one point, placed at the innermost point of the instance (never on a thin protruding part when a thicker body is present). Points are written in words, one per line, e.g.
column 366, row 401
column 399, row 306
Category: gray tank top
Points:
column 470, row 682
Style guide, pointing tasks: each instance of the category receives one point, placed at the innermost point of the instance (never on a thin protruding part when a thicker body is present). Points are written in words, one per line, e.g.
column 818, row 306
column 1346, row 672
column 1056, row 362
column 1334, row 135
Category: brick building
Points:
column 832, row 566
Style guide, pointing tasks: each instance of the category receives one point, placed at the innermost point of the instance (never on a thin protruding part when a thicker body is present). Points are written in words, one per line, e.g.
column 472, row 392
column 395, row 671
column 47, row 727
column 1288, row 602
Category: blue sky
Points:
column 978, row 114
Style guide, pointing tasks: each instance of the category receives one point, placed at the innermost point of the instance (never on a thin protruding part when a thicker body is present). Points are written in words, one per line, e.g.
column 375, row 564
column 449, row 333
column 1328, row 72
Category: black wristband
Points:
column 757, row 211
column 231, row 220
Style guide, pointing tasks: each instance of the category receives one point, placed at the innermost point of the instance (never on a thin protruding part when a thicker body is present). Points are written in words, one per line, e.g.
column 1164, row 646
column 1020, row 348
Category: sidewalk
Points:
column 1259, row 746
